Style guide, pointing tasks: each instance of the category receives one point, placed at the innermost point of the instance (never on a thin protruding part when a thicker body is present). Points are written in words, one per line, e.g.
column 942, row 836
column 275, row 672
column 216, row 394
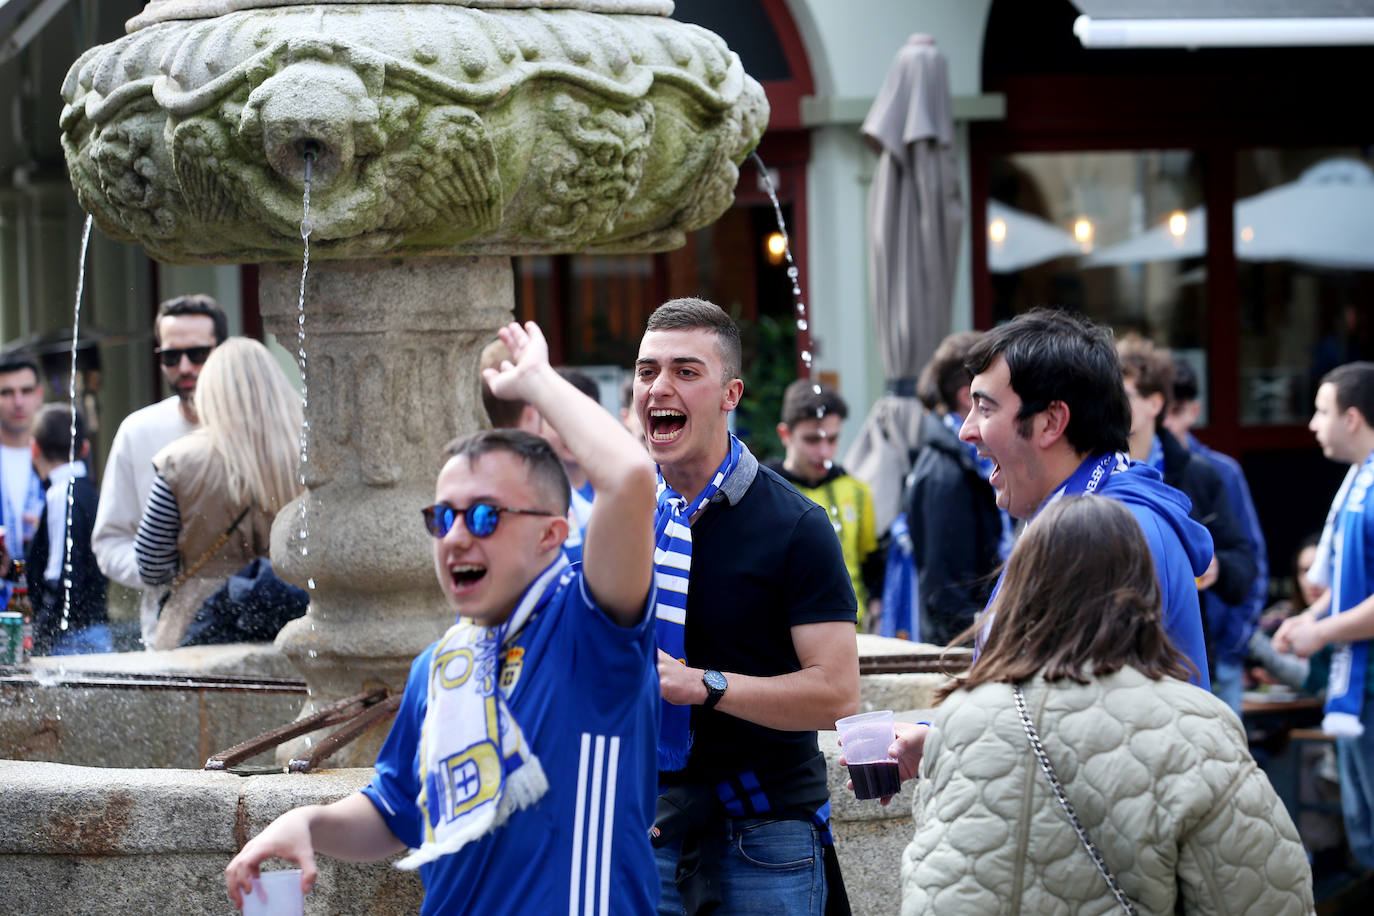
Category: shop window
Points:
column 1305, row 274
column 1118, row 236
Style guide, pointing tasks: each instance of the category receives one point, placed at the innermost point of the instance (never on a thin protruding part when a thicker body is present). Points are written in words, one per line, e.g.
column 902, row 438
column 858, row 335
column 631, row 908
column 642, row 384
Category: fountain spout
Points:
column 313, row 107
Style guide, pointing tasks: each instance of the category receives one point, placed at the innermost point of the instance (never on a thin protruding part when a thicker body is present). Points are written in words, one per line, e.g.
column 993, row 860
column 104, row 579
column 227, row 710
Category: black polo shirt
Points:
column 763, row 561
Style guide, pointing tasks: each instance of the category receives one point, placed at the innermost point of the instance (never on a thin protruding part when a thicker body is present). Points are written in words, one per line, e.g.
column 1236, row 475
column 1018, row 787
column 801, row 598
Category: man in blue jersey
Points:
column 1343, row 618
column 1051, row 412
column 521, row 768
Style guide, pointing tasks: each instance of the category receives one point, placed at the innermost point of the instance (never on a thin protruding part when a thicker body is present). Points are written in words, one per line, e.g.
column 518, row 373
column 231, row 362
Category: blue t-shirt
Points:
column 585, row 693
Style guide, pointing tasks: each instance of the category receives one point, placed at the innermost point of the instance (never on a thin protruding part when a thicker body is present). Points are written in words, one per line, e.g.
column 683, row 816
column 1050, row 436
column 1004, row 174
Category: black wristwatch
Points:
column 715, row 687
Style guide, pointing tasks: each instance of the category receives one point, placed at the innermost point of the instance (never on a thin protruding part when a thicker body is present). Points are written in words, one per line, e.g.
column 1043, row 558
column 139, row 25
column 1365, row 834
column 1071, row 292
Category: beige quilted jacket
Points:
column 1162, row 781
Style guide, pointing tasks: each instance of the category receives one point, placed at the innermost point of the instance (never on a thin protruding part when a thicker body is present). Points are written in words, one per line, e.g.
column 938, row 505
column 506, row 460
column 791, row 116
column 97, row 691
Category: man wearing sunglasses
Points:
column 520, row 769
column 186, row 329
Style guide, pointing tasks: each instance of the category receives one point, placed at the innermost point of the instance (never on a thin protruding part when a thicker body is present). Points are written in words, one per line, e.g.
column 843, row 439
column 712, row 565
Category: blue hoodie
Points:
column 1182, row 549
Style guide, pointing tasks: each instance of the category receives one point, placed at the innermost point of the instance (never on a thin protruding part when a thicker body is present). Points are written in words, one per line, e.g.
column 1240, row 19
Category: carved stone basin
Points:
column 456, row 128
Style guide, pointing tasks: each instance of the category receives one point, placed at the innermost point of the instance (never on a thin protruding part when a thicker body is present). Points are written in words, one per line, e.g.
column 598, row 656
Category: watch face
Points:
column 714, row 680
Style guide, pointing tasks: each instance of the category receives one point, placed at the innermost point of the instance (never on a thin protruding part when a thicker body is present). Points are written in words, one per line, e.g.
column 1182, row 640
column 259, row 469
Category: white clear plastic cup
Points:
column 864, row 740
column 276, row 893
column 866, row 737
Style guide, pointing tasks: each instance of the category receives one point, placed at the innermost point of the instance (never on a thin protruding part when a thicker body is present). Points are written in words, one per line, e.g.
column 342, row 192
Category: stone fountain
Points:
column 444, row 137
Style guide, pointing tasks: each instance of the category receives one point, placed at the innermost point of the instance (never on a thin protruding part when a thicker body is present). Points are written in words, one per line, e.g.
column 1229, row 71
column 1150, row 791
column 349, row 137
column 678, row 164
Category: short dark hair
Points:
column 539, row 457
column 52, row 430
column 1151, row 368
column 691, row 314
column 1055, row 356
column 1354, row 384
column 627, row 392
column 946, row 373
column 1079, row 599
column 14, row 362
column 193, row 304
column 805, row 399
column 1185, row 381
column 581, row 381
column 502, row 413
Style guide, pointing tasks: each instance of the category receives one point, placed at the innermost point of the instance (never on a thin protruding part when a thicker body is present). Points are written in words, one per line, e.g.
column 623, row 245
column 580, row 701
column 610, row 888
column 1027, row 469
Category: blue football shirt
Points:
column 585, row 693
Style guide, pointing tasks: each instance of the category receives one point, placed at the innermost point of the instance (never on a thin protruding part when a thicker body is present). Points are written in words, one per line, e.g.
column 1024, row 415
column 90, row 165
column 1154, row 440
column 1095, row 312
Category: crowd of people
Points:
column 651, row 626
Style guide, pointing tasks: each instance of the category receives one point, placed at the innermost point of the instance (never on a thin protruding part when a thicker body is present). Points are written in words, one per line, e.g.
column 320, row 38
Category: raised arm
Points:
column 617, row 554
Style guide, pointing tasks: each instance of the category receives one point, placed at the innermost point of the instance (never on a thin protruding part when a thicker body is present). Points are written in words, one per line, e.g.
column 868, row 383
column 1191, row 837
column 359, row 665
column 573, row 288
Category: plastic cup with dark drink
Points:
column 865, row 739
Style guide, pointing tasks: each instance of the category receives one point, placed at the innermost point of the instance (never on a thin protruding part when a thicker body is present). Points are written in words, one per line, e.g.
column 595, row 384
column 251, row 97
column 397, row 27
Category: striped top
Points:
column 156, row 543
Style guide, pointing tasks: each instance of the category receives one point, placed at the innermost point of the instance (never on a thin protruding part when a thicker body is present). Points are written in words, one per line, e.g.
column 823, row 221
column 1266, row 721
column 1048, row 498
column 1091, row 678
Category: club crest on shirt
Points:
column 510, row 668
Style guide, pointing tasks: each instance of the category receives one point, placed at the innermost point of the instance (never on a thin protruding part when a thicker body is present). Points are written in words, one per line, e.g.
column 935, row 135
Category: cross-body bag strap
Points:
column 214, row 548
column 1083, row 837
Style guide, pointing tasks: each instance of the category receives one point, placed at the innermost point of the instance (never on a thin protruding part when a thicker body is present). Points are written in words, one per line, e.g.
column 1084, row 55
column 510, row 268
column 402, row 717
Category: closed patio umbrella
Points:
column 915, row 215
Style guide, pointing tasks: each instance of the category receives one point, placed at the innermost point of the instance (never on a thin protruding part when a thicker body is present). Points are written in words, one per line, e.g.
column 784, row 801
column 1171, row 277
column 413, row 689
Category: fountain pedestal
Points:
column 392, row 376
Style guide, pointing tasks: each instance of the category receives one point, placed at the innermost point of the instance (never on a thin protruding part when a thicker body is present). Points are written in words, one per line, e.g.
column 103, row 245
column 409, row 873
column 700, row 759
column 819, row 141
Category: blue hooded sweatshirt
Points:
column 1182, row 549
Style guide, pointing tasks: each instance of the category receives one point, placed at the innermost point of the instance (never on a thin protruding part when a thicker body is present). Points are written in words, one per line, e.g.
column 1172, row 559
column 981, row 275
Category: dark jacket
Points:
column 88, row 585
column 955, row 527
column 1201, row 483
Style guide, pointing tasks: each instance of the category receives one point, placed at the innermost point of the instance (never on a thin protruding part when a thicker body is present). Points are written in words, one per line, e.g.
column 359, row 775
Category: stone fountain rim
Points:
column 169, row 10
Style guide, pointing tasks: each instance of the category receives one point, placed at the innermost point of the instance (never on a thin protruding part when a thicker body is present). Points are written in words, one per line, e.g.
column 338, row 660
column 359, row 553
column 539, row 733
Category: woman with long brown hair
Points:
column 1158, row 802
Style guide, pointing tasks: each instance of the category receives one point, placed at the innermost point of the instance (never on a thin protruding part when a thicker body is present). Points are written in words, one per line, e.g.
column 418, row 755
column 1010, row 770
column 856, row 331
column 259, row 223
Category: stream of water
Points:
column 304, row 533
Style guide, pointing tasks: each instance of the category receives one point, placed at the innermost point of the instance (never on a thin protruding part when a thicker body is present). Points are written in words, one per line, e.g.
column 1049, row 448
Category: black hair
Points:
column 1185, row 381
column 946, row 372
column 52, row 430
column 14, row 362
column 194, row 304
column 1354, row 384
column 581, row 381
column 808, row 400
column 1056, row 356
column 535, row 451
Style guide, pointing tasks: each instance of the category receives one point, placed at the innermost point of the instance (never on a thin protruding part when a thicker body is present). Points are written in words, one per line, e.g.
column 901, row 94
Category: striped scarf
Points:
column 672, row 569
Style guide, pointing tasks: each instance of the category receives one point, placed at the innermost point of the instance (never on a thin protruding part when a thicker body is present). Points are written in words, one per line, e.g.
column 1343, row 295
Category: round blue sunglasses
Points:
column 480, row 518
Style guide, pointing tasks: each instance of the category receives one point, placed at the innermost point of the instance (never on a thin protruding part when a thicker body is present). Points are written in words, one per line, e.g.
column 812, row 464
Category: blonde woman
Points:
column 218, row 488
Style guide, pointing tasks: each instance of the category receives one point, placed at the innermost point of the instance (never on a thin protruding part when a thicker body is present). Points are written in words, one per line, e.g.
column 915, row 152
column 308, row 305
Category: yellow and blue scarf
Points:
column 476, row 768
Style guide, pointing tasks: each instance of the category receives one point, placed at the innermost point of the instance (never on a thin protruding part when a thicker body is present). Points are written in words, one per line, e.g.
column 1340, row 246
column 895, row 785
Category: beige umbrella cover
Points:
column 915, row 215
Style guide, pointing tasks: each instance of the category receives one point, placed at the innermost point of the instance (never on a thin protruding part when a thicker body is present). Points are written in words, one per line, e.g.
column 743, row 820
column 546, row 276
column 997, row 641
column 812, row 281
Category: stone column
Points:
column 392, row 348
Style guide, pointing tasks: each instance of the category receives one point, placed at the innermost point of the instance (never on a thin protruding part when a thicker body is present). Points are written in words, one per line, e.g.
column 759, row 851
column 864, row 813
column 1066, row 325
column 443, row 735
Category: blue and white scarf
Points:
column 476, row 768
column 1007, row 539
column 1349, row 586
column 672, row 569
column 1084, row 481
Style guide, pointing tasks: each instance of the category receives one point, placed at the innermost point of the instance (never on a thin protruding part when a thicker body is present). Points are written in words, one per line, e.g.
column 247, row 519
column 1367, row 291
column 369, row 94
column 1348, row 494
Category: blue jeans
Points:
column 94, row 639
column 1355, row 759
column 1228, row 683
column 768, row 867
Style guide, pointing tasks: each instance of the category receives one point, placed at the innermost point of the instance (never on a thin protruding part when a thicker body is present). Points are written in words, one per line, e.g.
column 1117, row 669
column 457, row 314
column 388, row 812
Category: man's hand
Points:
column 1283, row 636
column 1209, row 575
column 1304, row 638
column 680, row 685
column 288, row 837
column 531, row 353
column 906, row 748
